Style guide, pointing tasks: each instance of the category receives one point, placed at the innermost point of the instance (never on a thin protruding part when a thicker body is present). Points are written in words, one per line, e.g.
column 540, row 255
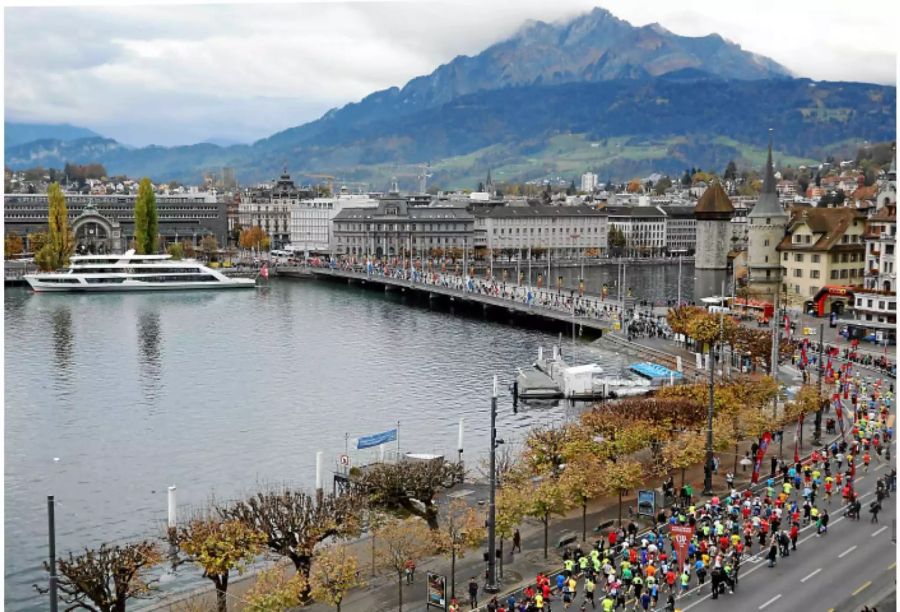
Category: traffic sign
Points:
column 345, row 460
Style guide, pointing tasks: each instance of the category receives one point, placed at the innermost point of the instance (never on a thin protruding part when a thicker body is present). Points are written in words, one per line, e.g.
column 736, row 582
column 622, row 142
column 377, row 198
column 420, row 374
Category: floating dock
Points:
column 553, row 378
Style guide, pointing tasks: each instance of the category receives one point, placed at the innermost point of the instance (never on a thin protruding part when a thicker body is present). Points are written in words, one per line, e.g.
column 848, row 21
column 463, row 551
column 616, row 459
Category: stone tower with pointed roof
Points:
column 767, row 223
column 713, row 213
column 887, row 187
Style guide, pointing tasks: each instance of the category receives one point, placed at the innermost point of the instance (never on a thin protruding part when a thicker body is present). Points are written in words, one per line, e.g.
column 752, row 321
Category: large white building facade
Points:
column 311, row 227
column 270, row 208
column 560, row 231
column 681, row 229
column 644, row 228
column 395, row 228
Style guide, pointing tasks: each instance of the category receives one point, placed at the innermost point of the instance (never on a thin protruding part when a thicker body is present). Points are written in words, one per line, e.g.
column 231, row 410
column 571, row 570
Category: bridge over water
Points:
column 457, row 292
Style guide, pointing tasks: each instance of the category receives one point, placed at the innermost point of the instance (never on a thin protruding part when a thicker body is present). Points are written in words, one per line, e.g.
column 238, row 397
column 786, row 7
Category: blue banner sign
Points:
column 377, row 439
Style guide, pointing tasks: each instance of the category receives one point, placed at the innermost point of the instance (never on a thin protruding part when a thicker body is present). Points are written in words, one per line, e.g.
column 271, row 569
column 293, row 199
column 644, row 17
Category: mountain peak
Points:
column 656, row 27
column 592, row 47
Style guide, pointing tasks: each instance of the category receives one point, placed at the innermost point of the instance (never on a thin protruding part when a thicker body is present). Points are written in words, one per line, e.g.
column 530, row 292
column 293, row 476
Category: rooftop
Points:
column 507, row 212
column 714, row 203
column 634, row 211
column 830, row 223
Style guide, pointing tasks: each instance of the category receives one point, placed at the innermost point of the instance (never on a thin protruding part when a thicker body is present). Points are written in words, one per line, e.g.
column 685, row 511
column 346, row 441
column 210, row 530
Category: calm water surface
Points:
column 110, row 398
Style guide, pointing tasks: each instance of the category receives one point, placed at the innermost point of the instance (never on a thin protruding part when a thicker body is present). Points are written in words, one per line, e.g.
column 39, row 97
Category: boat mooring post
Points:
column 173, row 509
column 459, row 441
column 172, row 524
column 320, row 459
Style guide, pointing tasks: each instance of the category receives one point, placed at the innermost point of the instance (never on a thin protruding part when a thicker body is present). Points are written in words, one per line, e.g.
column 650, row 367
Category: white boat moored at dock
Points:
column 131, row 272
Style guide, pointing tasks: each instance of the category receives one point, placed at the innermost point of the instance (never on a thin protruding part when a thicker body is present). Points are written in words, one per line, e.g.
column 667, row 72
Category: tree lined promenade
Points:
column 612, row 450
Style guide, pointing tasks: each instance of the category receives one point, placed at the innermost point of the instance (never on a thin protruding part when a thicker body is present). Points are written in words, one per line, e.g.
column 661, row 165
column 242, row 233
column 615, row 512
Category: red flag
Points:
column 681, row 538
column 264, row 272
column 787, row 325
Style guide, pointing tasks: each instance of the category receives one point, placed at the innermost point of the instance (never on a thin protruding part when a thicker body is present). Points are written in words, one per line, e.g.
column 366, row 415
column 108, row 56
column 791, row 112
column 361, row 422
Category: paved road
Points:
column 836, row 571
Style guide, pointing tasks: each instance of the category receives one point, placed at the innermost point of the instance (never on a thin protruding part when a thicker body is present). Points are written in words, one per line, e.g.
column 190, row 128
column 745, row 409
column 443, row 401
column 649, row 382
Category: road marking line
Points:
column 892, row 565
column 847, row 552
column 860, row 479
column 760, row 565
column 879, row 531
column 865, row 585
column 774, row 599
column 811, row 575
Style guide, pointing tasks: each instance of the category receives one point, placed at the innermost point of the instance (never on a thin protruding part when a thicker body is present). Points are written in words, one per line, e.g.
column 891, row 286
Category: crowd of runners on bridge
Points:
column 628, row 569
column 605, row 307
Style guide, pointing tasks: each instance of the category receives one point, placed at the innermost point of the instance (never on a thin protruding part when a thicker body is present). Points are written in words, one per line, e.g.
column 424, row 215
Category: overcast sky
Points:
column 172, row 73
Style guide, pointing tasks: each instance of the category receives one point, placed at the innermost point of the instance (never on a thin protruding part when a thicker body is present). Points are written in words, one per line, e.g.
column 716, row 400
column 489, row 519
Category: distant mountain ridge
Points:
column 594, row 47
column 645, row 98
column 15, row 133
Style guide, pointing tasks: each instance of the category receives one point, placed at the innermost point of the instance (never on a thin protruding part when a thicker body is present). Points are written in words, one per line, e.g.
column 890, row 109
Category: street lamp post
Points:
column 679, row 282
column 776, row 338
column 707, row 469
column 821, row 367
column 528, row 284
column 491, row 586
column 52, row 524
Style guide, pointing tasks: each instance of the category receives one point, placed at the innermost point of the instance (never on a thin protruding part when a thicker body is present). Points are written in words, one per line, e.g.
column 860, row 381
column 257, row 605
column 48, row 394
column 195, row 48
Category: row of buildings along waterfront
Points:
column 775, row 242
column 104, row 223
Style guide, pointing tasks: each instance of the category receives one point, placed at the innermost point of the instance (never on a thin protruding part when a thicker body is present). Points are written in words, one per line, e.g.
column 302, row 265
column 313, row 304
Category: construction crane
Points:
column 361, row 186
column 421, row 176
column 329, row 177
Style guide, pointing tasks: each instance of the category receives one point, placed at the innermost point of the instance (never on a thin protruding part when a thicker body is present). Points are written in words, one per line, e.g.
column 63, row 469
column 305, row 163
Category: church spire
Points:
column 768, row 205
column 769, row 182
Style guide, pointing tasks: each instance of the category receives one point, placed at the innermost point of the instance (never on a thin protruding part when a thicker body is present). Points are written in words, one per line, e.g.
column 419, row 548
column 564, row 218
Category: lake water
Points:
column 110, row 398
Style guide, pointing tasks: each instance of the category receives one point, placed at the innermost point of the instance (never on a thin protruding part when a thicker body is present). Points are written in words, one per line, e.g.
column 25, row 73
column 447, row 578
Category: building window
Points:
column 814, row 274
column 798, row 257
column 815, row 259
column 766, row 242
column 785, row 256
column 834, row 274
column 798, row 273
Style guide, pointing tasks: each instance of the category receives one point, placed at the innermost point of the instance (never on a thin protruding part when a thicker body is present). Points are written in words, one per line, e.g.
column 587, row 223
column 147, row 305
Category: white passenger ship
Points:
column 130, row 272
